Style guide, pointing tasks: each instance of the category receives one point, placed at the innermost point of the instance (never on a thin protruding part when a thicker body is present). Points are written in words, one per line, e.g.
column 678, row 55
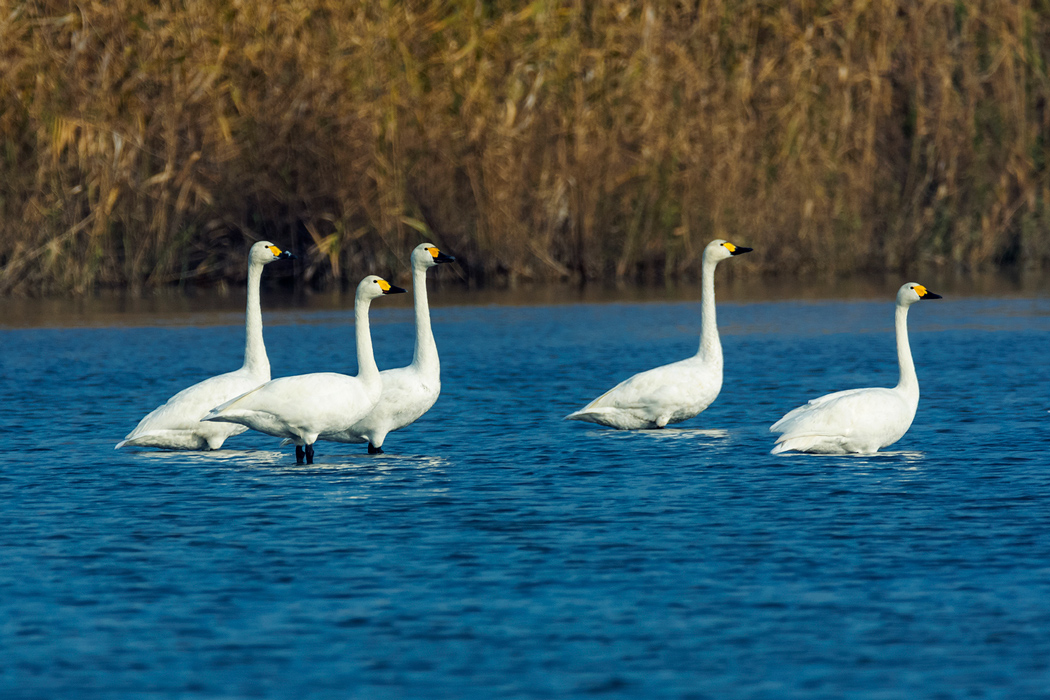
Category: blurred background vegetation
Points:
column 147, row 143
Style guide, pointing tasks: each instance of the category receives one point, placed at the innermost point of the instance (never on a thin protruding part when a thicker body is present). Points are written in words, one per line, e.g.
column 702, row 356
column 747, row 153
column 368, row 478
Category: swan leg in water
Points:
column 177, row 424
column 302, row 407
column 373, row 450
column 859, row 420
column 678, row 391
column 307, row 452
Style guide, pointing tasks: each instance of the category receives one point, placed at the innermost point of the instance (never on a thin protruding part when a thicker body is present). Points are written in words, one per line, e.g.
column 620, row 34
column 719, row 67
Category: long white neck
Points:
column 366, row 361
column 426, row 354
column 909, row 382
column 710, row 347
column 255, row 359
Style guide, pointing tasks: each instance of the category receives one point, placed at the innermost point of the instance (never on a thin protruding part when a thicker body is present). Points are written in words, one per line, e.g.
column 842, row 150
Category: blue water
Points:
column 498, row 551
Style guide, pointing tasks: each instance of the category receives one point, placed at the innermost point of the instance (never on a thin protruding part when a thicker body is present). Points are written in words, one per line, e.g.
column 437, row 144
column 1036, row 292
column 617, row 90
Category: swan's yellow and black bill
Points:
column 736, row 249
column 440, row 257
column 389, row 288
column 281, row 255
column 926, row 293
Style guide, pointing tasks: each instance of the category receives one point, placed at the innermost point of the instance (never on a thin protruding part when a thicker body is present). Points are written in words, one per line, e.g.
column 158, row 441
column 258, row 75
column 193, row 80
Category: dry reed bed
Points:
column 146, row 143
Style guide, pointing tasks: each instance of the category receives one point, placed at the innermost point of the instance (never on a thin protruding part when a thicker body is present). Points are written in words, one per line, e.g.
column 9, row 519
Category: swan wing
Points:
column 820, row 406
column 857, row 420
column 306, row 404
column 186, row 409
column 656, row 397
column 407, row 394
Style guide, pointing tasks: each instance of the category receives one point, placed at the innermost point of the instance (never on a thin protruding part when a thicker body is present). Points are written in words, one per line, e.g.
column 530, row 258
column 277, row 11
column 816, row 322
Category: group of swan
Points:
column 854, row 421
column 365, row 408
column 408, row 392
column 308, row 407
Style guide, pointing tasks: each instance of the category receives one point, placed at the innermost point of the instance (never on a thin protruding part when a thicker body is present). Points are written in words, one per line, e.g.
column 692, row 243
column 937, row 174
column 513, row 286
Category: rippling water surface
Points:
column 499, row 551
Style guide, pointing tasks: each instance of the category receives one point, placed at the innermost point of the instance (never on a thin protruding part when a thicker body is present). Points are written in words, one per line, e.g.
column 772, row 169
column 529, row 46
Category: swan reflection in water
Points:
column 877, row 464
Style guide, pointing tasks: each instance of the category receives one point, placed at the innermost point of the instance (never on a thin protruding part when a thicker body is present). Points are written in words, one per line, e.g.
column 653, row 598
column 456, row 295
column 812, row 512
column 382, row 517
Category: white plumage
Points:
column 176, row 425
column 408, row 392
column 304, row 407
column 676, row 392
column 859, row 420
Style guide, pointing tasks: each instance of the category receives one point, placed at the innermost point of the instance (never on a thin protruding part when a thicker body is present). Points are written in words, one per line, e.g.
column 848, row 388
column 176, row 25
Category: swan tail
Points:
column 220, row 415
column 222, row 412
column 817, row 444
column 167, row 439
column 588, row 414
column 599, row 408
column 612, row 417
column 792, row 444
column 787, row 423
column 226, row 413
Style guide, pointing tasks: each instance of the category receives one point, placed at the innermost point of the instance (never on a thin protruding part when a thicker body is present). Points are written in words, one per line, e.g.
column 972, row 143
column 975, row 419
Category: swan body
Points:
column 303, row 408
column 676, row 392
column 408, row 392
column 176, row 425
column 859, row 420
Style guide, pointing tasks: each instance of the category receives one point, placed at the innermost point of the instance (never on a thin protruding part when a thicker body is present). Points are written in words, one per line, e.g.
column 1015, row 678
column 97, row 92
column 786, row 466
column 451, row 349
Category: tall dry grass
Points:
column 147, row 143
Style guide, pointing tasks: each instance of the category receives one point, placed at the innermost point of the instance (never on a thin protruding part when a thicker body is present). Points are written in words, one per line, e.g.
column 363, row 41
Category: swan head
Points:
column 720, row 249
column 428, row 255
column 265, row 252
column 912, row 292
column 373, row 287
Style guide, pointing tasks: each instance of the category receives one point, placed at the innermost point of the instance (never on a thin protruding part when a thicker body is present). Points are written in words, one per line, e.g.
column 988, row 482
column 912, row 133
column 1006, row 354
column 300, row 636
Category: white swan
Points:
column 859, row 420
column 177, row 425
column 307, row 406
column 678, row 391
column 408, row 392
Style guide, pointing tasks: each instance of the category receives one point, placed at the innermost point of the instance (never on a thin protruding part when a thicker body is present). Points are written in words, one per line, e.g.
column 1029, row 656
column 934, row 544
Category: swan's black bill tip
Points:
column 395, row 290
column 931, row 295
column 442, row 258
column 740, row 250
column 286, row 255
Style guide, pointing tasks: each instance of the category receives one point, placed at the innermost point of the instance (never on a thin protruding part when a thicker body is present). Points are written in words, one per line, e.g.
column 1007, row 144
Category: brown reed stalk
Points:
column 148, row 143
